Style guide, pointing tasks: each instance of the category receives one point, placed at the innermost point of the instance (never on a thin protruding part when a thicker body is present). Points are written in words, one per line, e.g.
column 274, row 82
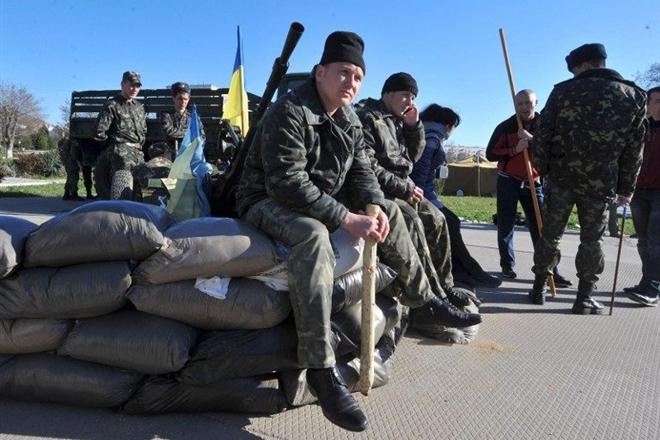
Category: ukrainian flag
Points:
column 236, row 105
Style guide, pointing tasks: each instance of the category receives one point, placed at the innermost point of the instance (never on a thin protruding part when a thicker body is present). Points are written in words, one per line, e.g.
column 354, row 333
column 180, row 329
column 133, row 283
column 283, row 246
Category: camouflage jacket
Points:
column 305, row 160
column 591, row 133
column 174, row 124
column 392, row 147
column 121, row 122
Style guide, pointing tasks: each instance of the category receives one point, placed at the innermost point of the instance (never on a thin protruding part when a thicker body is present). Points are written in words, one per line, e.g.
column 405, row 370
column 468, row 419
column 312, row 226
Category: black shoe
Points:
column 457, row 297
column 537, row 294
column 648, row 295
column 337, row 403
column 438, row 312
column 66, row 196
column 638, row 288
column 587, row 306
column 509, row 273
column 561, row 282
column 487, row 280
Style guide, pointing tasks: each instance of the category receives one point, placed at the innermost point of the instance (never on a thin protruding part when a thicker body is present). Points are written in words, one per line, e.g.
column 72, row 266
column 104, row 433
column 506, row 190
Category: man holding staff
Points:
column 588, row 146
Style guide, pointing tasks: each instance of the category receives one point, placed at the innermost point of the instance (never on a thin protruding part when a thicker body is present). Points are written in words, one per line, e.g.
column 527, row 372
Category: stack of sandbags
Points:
column 189, row 329
column 13, row 233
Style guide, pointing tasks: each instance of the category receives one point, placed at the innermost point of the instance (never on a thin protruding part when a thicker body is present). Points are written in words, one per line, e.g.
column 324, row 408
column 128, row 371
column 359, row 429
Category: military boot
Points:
column 337, row 403
column 537, row 294
column 648, row 294
column 438, row 312
column 457, row 296
column 584, row 303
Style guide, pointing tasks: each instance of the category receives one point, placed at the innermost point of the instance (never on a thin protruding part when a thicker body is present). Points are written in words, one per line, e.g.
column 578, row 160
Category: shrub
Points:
column 47, row 164
column 6, row 169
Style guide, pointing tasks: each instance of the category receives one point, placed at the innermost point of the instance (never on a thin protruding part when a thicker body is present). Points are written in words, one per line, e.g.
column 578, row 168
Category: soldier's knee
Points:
column 310, row 230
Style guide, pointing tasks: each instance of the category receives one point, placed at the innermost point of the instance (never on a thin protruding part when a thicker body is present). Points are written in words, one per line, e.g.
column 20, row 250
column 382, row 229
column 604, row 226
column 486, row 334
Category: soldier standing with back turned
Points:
column 588, row 146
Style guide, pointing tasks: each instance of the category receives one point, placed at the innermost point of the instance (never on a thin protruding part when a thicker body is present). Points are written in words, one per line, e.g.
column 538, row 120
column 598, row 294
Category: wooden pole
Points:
column 618, row 258
column 367, row 339
column 528, row 165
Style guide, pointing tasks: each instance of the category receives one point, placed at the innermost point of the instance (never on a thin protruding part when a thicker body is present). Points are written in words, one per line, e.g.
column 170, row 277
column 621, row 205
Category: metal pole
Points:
column 618, row 258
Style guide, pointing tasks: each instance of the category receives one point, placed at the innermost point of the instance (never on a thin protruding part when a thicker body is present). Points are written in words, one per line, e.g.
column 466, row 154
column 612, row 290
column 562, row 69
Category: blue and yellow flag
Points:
column 236, row 105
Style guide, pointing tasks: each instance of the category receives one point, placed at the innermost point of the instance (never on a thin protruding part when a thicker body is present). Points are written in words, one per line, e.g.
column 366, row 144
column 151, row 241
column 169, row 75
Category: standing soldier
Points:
column 122, row 126
column 588, row 146
column 174, row 123
column 70, row 158
column 306, row 158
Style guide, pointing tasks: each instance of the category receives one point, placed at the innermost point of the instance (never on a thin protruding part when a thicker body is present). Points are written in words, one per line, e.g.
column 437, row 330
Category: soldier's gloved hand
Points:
column 622, row 200
column 410, row 115
column 524, row 134
column 417, row 196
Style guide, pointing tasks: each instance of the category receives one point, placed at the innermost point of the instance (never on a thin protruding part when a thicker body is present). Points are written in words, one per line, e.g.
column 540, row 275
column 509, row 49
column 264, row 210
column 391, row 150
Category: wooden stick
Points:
column 367, row 339
column 618, row 258
column 528, row 165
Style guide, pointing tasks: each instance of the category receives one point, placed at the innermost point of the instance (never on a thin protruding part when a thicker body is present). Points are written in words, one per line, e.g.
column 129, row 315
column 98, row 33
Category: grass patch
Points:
column 479, row 209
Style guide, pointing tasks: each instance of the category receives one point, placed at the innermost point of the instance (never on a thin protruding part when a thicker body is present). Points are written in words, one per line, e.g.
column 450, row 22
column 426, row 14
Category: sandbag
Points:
column 132, row 340
column 32, row 335
column 221, row 355
column 79, row 291
column 48, row 378
column 348, row 287
column 349, row 320
column 208, row 246
column 13, row 233
column 348, row 257
column 248, row 304
column 109, row 230
column 160, row 394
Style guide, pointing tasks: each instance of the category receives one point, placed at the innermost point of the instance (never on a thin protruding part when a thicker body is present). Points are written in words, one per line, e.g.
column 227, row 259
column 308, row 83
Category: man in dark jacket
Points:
column 174, row 123
column 439, row 123
column 588, row 146
column 394, row 139
column 645, row 207
column 506, row 146
column 306, row 157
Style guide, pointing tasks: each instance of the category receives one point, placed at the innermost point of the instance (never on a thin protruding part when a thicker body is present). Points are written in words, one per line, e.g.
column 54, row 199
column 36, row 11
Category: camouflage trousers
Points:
column 125, row 157
column 311, row 264
column 559, row 202
column 69, row 157
column 430, row 234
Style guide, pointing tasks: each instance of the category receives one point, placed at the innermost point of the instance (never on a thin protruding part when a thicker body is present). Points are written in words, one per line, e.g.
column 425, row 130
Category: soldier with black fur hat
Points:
column 588, row 147
column 306, row 157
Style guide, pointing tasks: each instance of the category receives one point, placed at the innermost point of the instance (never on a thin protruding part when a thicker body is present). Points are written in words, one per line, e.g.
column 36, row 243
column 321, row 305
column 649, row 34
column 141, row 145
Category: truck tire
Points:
column 122, row 185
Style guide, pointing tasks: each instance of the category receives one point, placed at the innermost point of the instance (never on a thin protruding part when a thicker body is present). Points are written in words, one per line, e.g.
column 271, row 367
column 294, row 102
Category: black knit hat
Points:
column 586, row 52
column 400, row 82
column 345, row 47
column 180, row 87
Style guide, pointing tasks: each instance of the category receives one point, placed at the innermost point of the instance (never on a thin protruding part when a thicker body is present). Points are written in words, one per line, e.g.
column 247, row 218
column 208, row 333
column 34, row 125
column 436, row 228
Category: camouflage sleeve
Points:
column 103, row 122
column 143, row 126
column 361, row 177
column 167, row 125
column 630, row 160
column 415, row 140
column 284, row 158
column 544, row 134
column 390, row 183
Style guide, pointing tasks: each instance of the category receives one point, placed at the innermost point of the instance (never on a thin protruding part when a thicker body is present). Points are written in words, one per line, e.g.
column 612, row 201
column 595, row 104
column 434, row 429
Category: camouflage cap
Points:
column 132, row 77
column 586, row 52
column 180, row 87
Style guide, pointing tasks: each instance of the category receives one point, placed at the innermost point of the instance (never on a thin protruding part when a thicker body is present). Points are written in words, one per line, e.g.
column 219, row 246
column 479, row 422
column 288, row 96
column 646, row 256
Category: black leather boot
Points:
column 457, row 297
column 337, row 403
column 584, row 303
column 441, row 313
column 537, row 294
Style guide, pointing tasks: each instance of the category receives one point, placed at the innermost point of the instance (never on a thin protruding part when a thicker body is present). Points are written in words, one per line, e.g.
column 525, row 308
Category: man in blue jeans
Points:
column 645, row 207
column 506, row 146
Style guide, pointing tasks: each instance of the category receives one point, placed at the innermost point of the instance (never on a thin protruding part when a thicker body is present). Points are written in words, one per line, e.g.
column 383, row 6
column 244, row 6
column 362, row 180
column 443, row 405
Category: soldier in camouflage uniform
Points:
column 306, row 157
column 174, row 123
column 70, row 157
column 394, row 140
column 588, row 147
column 122, row 126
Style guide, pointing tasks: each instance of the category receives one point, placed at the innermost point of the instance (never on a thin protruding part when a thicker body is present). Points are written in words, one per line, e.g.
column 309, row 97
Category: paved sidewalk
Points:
column 533, row 372
column 22, row 181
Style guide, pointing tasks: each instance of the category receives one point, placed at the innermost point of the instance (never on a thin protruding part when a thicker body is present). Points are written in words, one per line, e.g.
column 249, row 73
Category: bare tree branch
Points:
column 19, row 112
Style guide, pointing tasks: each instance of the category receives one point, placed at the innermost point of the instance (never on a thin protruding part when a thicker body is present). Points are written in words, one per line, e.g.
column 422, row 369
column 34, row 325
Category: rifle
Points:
column 223, row 189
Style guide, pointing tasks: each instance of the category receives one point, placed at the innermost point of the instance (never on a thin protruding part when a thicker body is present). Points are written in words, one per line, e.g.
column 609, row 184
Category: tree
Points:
column 40, row 138
column 650, row 78
column 19, row 110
